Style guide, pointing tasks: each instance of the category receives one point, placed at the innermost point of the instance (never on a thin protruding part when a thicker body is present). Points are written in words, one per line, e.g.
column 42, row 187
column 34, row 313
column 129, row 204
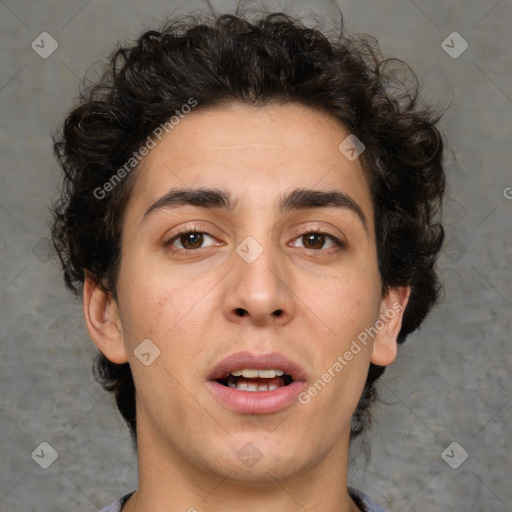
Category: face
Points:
column 252, row 276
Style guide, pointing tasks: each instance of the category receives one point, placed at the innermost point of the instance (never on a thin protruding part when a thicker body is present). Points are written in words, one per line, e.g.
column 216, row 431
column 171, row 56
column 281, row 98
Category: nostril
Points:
column 278, row 312
column 240, row 312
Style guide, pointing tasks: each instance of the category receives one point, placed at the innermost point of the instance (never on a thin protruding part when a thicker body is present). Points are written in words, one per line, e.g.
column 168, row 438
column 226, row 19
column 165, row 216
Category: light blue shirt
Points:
column 364, row 502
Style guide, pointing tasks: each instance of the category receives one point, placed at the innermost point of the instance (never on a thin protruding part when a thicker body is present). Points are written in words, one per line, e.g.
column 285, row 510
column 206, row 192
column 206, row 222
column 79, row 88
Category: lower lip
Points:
column 255, row 402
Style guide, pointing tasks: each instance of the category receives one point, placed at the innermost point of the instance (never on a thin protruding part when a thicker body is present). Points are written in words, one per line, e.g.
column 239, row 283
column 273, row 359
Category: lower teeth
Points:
column 259, row 384
column 244, row 386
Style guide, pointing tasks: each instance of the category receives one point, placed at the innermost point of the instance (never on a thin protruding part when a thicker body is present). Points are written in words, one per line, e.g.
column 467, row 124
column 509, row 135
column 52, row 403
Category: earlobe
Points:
column 103, row 322
column 388, row 326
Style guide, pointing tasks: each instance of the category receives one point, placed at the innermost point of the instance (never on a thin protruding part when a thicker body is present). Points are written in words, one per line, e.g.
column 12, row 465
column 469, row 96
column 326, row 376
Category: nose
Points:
column 260, row 288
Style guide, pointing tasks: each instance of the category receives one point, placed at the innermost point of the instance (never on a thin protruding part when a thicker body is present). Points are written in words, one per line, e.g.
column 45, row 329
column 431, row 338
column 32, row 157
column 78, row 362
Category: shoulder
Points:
column 116, row 506
column 363, row 501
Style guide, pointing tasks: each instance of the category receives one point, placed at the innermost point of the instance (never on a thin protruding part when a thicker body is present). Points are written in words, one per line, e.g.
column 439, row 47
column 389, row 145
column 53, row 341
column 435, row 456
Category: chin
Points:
column 264, row 473
column 255, row 461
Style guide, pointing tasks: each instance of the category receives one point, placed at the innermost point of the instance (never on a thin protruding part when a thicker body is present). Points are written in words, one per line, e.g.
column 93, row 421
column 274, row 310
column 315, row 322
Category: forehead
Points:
column 257, row 153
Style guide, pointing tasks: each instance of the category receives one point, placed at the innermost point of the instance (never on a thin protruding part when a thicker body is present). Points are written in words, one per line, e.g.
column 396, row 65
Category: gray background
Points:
column 451, row 382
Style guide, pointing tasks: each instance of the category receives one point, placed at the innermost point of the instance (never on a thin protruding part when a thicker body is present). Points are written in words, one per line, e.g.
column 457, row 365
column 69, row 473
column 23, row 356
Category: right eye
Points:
column 189, row 240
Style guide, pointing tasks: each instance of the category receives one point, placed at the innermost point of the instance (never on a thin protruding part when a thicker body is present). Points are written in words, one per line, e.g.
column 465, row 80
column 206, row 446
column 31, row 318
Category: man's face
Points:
column 247, row 284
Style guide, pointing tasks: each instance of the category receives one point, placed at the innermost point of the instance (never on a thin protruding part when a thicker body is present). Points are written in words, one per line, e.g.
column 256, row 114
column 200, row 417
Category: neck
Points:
column 169, row 482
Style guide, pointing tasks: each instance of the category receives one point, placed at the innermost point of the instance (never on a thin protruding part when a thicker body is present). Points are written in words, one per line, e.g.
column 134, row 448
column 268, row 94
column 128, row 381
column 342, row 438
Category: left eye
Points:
column 315, row 240
column 189, row 240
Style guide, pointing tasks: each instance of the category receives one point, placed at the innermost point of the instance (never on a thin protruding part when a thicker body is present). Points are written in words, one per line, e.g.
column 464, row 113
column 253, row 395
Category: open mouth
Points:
column 249, row 383
column 256, row 380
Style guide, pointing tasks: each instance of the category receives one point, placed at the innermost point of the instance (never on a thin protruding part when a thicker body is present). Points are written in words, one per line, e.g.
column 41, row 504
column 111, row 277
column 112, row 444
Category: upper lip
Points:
column 241, row 360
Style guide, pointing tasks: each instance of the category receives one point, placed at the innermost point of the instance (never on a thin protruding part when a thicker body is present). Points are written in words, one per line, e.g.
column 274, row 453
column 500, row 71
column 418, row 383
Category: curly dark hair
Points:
column 274, row 59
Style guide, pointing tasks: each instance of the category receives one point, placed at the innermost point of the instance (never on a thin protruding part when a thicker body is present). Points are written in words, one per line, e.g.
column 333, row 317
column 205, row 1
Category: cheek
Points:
column 150, row 298
column 347, row 304
column 167, row 307
column 140, row 304
column 347, row 301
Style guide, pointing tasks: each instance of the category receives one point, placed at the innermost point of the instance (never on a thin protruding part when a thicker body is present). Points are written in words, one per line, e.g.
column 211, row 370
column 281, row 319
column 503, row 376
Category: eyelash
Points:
column 337, row 242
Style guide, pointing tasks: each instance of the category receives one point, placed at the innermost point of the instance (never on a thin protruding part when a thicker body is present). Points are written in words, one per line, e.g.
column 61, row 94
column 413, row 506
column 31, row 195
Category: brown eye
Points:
column 317, row 241
column 313, row 240
column 189, row 240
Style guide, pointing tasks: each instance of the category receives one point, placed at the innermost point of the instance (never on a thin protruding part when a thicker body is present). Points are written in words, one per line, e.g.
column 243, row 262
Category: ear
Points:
column 392, row 310
column 103, row 321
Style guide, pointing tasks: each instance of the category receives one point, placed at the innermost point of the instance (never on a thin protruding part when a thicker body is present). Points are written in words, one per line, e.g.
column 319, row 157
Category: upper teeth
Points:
column 253, row 374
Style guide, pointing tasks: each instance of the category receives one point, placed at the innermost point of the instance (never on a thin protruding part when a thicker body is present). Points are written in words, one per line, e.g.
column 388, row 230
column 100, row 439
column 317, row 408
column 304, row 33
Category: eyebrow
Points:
column 298, row 199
